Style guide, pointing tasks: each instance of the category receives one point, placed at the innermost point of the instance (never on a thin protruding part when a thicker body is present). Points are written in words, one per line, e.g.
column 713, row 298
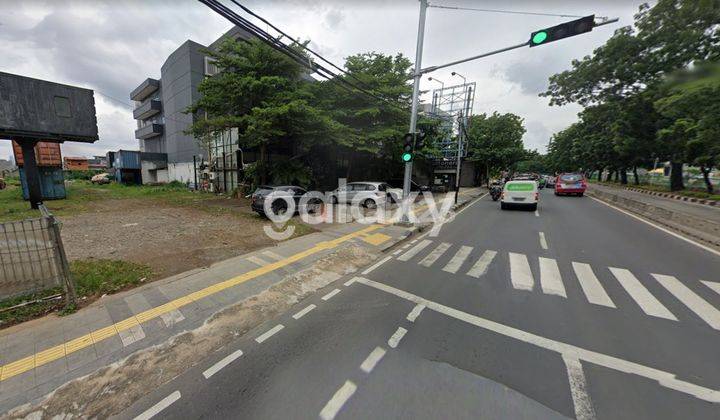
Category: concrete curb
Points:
column 696, row 228
column 712, row 203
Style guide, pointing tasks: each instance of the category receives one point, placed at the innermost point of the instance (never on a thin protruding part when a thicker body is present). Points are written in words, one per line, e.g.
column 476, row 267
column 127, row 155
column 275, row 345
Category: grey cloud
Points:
column 334, row 18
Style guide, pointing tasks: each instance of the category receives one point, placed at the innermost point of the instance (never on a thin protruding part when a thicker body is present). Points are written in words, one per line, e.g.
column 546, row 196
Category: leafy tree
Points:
column 495, row 142
column 266, row 96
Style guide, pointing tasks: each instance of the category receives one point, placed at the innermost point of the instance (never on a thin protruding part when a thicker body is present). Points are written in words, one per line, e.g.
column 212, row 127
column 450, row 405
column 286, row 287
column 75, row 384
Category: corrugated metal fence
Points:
column 32, row 257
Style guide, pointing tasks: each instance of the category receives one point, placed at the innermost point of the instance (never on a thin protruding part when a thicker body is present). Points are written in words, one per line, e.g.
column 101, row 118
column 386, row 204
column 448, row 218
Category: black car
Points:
column 279, row 205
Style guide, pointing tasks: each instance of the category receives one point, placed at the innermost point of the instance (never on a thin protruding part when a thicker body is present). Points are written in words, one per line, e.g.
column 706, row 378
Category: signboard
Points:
column 41, row 110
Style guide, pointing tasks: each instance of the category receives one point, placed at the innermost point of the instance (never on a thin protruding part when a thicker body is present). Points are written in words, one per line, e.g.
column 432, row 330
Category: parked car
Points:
column 520, row 193
column 414, row 186
column 103, row 178
column 279, row 205
column 368, row 194
column 570, row 184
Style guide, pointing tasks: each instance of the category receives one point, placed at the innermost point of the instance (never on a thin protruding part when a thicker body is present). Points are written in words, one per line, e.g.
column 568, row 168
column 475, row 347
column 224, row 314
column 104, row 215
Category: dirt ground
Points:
column 170, row 239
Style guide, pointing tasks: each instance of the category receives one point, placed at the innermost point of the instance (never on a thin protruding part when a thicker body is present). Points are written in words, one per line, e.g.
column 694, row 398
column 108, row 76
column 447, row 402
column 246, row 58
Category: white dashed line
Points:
column 349, row 282
column 412, row 316
column 373, row 358
column 543, row 241
column 270, row 333
column 160, row 406
column 222, row 363
column 337, row 401
column 395, row 339
column 304, row 311
column 331, row 294
column 537, row 213
column 376, row 265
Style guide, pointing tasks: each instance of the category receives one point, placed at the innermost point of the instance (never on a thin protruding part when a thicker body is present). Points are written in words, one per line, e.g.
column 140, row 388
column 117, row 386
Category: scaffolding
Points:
column 448, row 105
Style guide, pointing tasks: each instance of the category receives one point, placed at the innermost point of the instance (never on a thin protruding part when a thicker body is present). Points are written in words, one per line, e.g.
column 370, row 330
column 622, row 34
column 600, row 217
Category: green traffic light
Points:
column 539, row 37
column 406, row 157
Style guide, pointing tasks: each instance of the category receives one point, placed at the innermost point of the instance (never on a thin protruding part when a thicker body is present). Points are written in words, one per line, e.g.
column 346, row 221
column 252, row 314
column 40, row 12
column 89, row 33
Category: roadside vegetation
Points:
column 650, row 93
column 93, row 279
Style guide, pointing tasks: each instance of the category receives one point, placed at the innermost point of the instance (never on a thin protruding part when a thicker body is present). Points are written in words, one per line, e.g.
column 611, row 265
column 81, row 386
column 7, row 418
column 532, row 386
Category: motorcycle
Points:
column 495, row 191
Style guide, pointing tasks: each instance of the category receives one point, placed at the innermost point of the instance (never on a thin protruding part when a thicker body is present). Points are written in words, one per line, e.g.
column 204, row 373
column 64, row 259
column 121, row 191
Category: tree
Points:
column 495, row 141
column 267, row 97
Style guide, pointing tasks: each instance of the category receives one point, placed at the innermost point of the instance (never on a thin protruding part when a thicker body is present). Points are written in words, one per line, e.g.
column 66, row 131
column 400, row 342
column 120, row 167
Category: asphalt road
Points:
column 577, row 310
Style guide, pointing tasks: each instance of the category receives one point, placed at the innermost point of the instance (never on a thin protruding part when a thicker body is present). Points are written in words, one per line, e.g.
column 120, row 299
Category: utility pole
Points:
column 461, row 135
column 416, row 92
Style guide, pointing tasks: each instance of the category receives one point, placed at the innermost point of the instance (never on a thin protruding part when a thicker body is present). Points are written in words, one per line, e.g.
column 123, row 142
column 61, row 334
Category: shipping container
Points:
column 46, row 154
column 52, row 183
column 127, row 159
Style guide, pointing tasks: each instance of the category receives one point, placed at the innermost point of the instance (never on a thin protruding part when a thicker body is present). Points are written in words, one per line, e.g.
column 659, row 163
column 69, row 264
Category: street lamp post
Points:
column 461, row 133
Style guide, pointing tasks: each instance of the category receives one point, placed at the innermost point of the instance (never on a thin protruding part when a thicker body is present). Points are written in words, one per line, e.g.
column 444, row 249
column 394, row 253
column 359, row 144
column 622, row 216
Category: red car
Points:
column 570, row 184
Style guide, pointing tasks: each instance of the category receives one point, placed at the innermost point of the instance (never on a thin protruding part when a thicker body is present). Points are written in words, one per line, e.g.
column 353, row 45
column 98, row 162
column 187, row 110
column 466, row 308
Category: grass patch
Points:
column 93, row 278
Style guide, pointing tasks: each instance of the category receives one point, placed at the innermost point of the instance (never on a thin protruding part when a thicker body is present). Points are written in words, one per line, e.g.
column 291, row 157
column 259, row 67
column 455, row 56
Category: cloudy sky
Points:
column 111, row 46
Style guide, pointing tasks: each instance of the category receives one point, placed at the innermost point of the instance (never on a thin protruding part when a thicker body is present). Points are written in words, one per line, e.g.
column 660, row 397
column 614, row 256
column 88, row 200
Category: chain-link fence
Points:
column 32, row 258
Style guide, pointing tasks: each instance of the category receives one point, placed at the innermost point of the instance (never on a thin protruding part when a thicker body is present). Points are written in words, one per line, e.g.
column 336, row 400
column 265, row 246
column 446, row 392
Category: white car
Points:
column 520, row 194
column 368, row 194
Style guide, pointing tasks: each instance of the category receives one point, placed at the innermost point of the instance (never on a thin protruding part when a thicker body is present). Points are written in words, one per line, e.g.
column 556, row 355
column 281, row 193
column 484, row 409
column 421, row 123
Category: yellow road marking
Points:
column 57, row 352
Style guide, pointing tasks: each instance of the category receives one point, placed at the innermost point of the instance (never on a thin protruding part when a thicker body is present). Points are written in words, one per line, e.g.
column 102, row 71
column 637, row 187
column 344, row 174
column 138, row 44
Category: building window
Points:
column 211, row 67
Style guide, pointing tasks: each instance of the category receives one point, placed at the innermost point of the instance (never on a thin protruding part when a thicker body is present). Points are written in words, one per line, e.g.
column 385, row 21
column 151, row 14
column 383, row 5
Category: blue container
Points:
column 52, row 183
column 127, row 159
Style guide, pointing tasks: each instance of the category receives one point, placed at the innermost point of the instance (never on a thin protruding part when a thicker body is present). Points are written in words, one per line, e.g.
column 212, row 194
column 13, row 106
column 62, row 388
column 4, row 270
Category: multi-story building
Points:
column 161, row 111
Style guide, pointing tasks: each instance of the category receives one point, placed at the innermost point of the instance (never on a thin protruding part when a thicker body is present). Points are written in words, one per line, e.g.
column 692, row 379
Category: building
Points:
column 160, row 111
column 97, row 163
column 75, row 163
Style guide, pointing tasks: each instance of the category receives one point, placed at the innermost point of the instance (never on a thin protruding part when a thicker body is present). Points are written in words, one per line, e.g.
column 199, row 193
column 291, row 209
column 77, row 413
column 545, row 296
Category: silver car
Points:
column 368, row 194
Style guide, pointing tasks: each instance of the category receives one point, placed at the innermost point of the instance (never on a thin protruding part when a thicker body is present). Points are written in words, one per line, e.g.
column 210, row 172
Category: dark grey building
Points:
column 160, row 106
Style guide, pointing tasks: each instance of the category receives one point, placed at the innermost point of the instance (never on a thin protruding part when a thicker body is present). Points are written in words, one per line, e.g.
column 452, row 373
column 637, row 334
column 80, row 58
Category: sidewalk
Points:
column 696, row 220
column 38, row 356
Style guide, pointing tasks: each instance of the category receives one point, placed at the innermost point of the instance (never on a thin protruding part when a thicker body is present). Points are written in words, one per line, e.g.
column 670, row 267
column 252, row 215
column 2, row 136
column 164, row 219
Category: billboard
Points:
column 38, row 109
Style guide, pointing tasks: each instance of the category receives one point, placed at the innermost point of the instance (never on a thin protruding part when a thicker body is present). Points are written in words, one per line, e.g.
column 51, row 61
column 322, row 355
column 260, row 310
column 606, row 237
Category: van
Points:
column 520, row 194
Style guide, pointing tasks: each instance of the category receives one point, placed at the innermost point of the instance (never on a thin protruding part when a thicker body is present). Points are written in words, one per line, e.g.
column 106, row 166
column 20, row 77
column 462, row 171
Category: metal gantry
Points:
column 449, row 106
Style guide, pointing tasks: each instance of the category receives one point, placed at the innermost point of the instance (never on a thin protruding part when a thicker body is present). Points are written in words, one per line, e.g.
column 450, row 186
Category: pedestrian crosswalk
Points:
column 551, row 281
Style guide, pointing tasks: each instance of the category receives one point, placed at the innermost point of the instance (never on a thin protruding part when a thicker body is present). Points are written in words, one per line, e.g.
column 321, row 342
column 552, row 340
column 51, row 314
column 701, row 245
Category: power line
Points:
column 513, row 12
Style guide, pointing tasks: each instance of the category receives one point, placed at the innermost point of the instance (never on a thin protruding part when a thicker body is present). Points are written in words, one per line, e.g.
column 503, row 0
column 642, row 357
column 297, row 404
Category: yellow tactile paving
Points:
column 376, row 239
column 57, row 352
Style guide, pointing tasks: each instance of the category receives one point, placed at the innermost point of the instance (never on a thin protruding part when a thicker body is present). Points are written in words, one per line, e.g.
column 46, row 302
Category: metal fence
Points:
column 32, row 257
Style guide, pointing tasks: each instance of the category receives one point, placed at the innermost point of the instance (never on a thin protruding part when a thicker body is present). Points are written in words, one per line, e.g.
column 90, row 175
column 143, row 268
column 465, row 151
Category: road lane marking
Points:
column 520, row 274
column 665, row 379
column 458, row 259
column 222, row 363
column 647, row 302
column 331, row 294
column 273, row 255
column 412, row 316
column 550, row 279
column 338, row 400
column 377, row 264
column 257, row 260
column 414, row 250
column 711, row 284
column 543, row 241
column 435, row 254
column 303, row 312
column 396, row 337
column 694, row 302
column 398, row 251
column 270, row 333
column 160, row 406
column 482, row 264
column 591, row 286
column 48, row 355
column 669, row 232
column 578, row 389
column 537, row 213
column 349, row 282
column 373, row 358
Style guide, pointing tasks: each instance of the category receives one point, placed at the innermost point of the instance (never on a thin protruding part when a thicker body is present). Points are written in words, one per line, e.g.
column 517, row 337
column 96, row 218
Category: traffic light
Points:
column 407, row 153
column 564, row 30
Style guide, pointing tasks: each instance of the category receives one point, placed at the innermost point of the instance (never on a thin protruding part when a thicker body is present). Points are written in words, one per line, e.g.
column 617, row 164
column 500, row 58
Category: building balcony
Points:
column 145, row 89
column 147, row 110
column 149, row 131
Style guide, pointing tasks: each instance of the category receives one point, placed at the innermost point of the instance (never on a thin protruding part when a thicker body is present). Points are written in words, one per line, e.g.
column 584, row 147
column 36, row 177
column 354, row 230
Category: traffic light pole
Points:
column 416, row 92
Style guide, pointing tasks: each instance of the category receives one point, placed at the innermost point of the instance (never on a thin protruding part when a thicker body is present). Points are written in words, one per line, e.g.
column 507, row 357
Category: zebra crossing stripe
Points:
column 482, row 264
column 694, row 302
column 712, row 284
column 520, row 274
column 414, row 250
column 458, row 259
column 591, row 286
column 642, row 296
column 550, row 279
column 435, row 254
